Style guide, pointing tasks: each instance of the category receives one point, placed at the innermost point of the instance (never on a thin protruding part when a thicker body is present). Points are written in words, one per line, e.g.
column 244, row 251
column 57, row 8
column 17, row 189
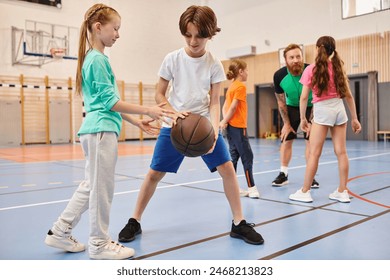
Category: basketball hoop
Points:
column 57, row 53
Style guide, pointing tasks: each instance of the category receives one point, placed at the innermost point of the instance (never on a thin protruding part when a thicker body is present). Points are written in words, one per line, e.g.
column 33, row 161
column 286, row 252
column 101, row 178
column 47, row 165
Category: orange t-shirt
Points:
column 237, row 90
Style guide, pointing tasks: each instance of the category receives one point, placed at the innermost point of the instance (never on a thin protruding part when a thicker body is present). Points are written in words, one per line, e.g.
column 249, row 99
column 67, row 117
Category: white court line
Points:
column 188, row 183
column 35, row 204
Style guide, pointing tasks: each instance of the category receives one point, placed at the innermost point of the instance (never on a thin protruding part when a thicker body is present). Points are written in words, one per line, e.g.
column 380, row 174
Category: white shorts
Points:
column 330, row 112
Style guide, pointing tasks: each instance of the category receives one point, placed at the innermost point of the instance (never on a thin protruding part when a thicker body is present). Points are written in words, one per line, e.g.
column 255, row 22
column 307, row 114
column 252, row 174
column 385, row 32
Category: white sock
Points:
column 284, row 169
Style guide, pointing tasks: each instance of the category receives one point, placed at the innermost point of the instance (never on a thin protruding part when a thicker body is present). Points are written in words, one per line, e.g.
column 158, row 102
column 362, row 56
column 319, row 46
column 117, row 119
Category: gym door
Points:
column 359, row 89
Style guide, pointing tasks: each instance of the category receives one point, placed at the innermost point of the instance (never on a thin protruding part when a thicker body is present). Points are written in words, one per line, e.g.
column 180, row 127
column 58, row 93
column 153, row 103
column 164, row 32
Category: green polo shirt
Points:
column 286, row 83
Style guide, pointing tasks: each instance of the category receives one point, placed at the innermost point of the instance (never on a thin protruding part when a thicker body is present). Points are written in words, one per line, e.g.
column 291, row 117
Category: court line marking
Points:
column 322, row 236
column 187, row 183
column 362, row 198
column 302, row 244
column 29, row 185
column 188, row 244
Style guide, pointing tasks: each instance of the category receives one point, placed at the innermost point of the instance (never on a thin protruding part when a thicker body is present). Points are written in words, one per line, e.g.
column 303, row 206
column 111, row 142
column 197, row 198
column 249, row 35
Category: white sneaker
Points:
column 301, row 196
column 340, row 196
column 113, row 251
column 244, row 193
column 253, row 192
column 66, row 243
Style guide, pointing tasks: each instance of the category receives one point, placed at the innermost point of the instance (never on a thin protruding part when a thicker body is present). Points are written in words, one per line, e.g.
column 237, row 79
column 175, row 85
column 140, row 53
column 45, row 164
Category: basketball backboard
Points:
column 33, row 45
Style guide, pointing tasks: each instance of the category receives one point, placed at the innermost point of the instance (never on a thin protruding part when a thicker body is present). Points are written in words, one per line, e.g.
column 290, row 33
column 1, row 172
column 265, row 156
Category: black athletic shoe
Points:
column 130, row 230
column 315, row 184
column 281, row 180
column 246, row 232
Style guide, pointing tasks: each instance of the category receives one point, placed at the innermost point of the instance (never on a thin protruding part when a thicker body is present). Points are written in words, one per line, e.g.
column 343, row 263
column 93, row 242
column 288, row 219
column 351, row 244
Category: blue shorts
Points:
column 167, row 159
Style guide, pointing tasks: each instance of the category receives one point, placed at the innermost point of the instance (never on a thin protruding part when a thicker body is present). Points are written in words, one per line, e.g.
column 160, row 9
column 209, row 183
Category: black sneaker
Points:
column 246, row 232
column 130, row 230
column 315, row 184
column 281, row 180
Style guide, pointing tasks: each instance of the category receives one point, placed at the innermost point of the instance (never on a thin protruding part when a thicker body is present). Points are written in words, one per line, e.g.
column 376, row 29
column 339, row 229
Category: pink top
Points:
column 306, row 81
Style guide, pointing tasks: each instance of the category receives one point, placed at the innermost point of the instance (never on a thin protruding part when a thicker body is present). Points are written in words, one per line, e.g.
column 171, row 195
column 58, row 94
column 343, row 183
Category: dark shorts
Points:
column 167, row 159
column 295, row 120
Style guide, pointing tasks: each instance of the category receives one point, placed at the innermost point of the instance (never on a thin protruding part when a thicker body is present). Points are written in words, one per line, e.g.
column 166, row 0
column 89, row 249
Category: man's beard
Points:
column 296, row 69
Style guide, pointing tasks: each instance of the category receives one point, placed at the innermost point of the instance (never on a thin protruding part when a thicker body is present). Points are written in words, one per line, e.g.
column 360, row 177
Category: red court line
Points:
column 362, row 198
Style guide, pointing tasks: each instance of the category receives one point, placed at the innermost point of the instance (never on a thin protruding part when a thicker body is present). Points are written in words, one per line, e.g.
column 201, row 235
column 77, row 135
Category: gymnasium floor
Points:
column 189, row 219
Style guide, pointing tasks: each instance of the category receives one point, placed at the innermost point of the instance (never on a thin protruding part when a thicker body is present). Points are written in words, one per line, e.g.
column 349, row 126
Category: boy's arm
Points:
column 160, row 97
column 215, row 107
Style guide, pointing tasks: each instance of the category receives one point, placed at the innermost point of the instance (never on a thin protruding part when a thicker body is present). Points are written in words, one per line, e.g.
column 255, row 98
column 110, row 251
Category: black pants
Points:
column 239, row 147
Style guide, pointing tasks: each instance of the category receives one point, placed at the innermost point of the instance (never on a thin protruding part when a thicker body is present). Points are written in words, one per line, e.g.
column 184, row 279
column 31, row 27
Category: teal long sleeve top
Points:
column 100, row 94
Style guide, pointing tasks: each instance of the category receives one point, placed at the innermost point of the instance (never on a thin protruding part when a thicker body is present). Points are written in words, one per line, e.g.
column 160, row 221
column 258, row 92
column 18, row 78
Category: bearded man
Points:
column 288, row 91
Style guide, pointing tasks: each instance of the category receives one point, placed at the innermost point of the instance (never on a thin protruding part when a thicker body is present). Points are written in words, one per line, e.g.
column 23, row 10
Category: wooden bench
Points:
column 386, row 134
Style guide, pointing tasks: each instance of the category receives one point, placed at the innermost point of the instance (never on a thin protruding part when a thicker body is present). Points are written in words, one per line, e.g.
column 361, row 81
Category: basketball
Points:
column 192, row 136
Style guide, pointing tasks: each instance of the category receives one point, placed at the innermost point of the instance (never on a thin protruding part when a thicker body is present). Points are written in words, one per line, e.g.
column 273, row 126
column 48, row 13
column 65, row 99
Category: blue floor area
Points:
column 189, row 217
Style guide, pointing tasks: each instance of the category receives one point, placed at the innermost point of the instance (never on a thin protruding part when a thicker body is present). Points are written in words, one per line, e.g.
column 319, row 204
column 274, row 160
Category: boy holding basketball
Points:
column 195, row 76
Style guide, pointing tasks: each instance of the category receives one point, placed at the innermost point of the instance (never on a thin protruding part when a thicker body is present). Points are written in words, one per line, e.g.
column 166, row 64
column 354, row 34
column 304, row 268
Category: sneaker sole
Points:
column 52, row 243
column 342, row 201
column 111, row 256
column 279, row 185
column 125, row 240
column 238, row 236
column 300, row 200
column 315, row 187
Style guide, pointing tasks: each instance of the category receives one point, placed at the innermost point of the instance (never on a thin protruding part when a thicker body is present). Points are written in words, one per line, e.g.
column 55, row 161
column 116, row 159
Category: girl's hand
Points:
column 356, row 126
column 148, row 127
column 305, row 125
column 159, row 113
column 222, row 125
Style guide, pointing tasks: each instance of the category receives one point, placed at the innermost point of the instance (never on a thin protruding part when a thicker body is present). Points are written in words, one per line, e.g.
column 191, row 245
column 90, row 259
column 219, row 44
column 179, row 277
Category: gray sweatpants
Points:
column 96, row 192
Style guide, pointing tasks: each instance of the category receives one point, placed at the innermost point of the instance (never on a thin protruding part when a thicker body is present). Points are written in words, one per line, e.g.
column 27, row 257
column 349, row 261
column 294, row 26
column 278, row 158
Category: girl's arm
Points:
column 356, row 126
column 229, row 113
column 156, row 112
column 302, row 108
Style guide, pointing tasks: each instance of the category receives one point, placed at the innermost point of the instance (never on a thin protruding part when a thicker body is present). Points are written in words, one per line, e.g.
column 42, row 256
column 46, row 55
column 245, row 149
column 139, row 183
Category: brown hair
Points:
column 291, row 47
column 97, row 13
column 203, row 18
column 327, row 47
column 235, row 66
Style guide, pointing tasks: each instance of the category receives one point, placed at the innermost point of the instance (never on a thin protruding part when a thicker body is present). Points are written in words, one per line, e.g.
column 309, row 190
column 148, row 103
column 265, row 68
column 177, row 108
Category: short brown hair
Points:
column 203, row 18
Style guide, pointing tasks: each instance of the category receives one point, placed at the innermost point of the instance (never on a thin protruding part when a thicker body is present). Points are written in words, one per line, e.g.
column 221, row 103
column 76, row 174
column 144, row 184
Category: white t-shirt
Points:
column 191, row 80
